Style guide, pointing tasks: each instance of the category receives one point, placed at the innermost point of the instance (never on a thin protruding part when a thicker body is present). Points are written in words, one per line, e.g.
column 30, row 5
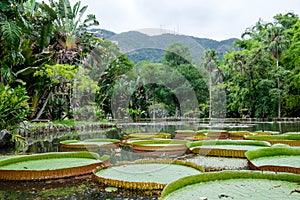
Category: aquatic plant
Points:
column 145, row 174
column 50, row 165
column 234, row 185
column 227, row 148
column 279, row 158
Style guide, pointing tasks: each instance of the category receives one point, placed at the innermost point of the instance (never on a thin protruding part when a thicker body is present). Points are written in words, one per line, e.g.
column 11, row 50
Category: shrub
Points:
column 14, row 107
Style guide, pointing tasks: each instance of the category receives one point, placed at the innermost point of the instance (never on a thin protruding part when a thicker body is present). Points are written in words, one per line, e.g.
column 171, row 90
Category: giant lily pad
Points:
column 145, row 174
column 227, row 148
column 91, row 144
column 279, row 159
column 215, row 134
column 266, row 132
column 183, row 134
column 147, row 135
column 234, row 185
column 50, row 165
column 162, row 145
column 238, row 134
column 290, row 139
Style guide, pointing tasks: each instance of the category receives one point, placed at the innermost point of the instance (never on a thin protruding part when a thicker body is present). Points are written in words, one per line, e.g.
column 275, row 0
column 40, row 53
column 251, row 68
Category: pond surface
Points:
column 87, row 188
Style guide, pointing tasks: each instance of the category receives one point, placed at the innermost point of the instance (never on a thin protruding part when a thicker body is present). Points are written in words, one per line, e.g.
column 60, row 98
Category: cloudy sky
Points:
column 214, row 19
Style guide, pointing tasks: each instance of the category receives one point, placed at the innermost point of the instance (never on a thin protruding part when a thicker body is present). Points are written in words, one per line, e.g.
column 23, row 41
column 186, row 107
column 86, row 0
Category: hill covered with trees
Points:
column 142, row 47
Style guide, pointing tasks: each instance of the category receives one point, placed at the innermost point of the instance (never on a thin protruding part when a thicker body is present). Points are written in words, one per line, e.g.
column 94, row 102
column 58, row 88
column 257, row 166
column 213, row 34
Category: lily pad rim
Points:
column 226, row 175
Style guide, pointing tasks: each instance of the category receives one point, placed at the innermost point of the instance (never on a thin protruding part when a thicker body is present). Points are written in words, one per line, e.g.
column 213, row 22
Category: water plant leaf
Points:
column 145, row 174
column 49, row 165
column 234, row 185
column 278, row 158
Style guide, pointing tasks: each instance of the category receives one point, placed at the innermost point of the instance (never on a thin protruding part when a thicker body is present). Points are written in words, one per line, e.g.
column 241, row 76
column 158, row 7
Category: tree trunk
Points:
column 278, row 86
column 44, row 106
column 210, row 95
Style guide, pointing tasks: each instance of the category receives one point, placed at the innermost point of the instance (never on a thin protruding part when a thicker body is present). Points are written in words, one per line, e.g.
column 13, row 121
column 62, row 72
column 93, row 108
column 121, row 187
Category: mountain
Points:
column 141, row 47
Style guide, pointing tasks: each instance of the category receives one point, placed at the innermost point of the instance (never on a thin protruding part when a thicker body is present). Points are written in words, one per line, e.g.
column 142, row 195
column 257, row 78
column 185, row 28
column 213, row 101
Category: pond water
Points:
column 87, row 188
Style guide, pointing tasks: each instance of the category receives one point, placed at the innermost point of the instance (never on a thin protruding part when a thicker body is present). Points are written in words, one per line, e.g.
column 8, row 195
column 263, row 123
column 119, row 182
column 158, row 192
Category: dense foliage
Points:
column 262, row 74
column 53, row 63
column 14, row 107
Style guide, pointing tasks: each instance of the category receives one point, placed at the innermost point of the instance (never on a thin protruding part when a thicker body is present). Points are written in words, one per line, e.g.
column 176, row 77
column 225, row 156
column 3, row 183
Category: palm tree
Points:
column 210, row 63
column 276, row 42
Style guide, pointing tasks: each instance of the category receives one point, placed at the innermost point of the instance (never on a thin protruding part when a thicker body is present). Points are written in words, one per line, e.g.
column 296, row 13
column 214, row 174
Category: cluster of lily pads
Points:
column 176, row 178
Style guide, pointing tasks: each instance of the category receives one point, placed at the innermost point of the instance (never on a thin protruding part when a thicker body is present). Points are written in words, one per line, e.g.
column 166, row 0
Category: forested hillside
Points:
column 141, row 47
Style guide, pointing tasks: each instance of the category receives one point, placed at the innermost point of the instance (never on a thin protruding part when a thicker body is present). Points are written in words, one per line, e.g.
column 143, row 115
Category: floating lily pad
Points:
column 91, row 144
column 292, row 133
column 238, row 134
column 234, row 185
column 197, row 138
column 290, row 139
column 184, row 134
column 279, row 159
column 50, row 165
column 147, row 135
column 215, row 134
column 159, row 145
column 227, row 148
column 266, row 133
column 145, row 174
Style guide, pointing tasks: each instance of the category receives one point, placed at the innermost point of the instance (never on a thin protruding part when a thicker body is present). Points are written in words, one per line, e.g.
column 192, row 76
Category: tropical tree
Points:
column 210, row 62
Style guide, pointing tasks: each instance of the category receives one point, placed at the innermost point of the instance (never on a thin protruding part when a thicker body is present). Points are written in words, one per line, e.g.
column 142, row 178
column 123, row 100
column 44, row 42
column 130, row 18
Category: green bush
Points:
column 14, row 107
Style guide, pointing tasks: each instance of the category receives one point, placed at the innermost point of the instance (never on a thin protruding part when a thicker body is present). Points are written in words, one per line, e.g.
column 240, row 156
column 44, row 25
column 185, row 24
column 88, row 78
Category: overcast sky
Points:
column 214, row 19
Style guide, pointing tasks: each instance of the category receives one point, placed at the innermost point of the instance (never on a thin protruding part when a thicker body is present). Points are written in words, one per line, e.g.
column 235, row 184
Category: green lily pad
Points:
column 49, row 165
column 145, row 175
column 91, row 144
column 159, row 145
column 238, row 134
column 290, row 139
column 227, row 148
column 266, row 133
column 284, row 159
column 234, row 185
column 147, row 135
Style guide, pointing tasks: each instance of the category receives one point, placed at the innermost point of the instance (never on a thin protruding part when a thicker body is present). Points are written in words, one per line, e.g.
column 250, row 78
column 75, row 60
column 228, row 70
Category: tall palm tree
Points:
column 276, row 42
column 210, row 58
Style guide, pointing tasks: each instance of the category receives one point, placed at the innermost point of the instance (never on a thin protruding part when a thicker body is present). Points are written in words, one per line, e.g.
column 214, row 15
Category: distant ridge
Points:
column 142, row 47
